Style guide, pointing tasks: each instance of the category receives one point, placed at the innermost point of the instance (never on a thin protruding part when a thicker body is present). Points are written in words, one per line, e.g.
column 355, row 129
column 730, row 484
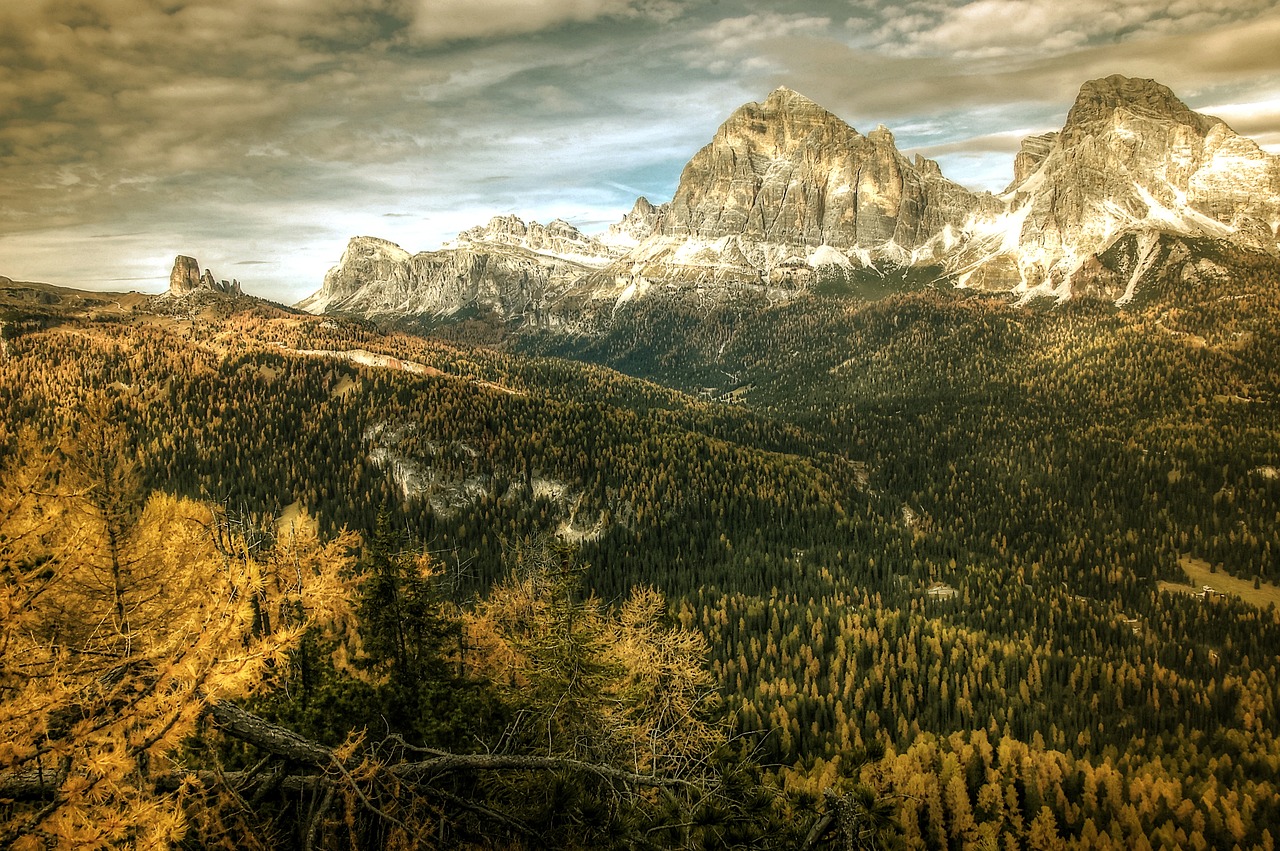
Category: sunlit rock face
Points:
column 185, row 278
column 786, row 171
column 372, row 273
column 641, row 223
column 557, row 239
column 787, row 192
column 1131, row 158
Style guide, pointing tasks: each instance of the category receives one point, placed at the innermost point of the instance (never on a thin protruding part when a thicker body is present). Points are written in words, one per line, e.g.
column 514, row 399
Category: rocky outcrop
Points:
column 186, row 278
column 787, row 192
column 642, row 222
column 370, row 270
column 788, row 172
column 557, row 239
column 1030, row 156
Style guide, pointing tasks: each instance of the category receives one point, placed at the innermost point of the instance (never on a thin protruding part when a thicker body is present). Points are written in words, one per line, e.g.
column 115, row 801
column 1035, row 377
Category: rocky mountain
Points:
column 186, row 278
column 642, row 222
column 1132, row 162
column 508, row 268
column 557, row 239
column 787, row 192
column 787, row 196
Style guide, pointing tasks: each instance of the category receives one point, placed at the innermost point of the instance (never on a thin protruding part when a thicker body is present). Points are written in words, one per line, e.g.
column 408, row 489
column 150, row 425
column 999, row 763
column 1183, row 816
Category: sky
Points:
column 260, row 135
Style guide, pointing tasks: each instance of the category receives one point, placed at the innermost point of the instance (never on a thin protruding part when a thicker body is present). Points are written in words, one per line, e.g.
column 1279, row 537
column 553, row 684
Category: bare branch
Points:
column 446, row 762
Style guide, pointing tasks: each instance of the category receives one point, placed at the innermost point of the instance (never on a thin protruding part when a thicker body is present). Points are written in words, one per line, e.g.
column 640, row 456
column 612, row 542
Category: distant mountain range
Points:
column 787, row 196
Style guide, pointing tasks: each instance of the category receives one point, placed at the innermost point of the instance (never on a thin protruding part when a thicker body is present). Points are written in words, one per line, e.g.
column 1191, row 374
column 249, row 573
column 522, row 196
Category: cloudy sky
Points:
column 259, row 135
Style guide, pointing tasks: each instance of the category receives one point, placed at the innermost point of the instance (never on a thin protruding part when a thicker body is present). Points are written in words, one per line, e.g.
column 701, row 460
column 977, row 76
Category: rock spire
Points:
column 186, row 278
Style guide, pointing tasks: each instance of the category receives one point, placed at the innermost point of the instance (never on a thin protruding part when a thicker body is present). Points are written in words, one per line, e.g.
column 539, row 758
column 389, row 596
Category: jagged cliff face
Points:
column 557, row 239
column 786, row 192
column 508, row 268
column 372, row 274
column 1131, row 158
column 642, row 222
column 787, row 195
column 185, row 278
column 788, row 172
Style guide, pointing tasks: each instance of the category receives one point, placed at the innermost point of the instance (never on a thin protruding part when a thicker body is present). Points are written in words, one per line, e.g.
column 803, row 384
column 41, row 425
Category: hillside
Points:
column 1046, row 469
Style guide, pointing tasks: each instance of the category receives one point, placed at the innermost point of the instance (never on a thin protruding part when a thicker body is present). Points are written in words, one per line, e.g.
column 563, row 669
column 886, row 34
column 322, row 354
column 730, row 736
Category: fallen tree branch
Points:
column 450, row 762
column 820, row 827
column 31, row 784
column 283, row 743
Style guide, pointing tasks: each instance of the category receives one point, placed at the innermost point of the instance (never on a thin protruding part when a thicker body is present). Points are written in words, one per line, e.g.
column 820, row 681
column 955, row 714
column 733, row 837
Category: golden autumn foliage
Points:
column 622, row 686
column 118, row 627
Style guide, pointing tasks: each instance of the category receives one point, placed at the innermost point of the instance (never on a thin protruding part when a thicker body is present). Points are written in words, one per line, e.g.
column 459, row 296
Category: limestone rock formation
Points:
column 641, row 223
column 1032, row 153
column 371, row 272
column 786, row 192
column 786, row 171
column 557, row 239
column 507, row 268
column 1131, row 158
column 185, row 279
column 788, row 196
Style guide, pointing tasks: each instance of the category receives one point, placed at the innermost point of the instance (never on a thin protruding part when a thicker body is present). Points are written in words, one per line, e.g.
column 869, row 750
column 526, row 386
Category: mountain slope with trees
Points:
column 926, row 541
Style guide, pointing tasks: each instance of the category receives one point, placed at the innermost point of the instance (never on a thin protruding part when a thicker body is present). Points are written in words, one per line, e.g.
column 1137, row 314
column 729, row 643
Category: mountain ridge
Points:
column 1131, row 157
column 787, row 195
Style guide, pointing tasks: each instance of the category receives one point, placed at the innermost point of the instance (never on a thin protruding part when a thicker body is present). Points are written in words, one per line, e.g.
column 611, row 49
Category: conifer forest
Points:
column 925, row 569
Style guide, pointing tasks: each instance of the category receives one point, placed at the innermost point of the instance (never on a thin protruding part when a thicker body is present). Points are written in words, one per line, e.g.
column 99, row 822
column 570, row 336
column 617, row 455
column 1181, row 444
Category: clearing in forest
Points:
column 1198, row 571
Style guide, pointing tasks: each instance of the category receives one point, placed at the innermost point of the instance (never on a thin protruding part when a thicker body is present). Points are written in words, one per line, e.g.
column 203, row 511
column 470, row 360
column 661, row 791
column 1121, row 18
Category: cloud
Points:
column 275, row 129
column 878, row 82
column 1259, row 120
column 1005, row 142
column 436, row 21
column 985, row 28
column 745, row 44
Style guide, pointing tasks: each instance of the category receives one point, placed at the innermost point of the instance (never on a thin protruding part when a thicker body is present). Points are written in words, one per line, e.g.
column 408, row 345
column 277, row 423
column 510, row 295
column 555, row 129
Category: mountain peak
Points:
column 783, row 101
column 1099, row 100
column 783, row 95
column 781, row 122
column 785, row 177
column 882, row 135
column 787, row 194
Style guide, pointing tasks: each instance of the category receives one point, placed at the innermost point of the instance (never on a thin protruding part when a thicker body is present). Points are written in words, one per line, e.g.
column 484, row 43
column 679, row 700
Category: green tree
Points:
column 412, row 644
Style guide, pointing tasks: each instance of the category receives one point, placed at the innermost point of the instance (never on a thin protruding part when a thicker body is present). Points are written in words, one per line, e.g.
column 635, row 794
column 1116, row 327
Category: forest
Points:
column 916, row 566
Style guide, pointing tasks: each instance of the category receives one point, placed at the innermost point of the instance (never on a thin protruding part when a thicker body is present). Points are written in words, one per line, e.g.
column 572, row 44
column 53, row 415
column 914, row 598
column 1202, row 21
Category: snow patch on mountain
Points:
column 825, row 255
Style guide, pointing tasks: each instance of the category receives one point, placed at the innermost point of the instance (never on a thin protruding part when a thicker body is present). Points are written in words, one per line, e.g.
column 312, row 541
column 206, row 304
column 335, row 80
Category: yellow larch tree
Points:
column 120, row 625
